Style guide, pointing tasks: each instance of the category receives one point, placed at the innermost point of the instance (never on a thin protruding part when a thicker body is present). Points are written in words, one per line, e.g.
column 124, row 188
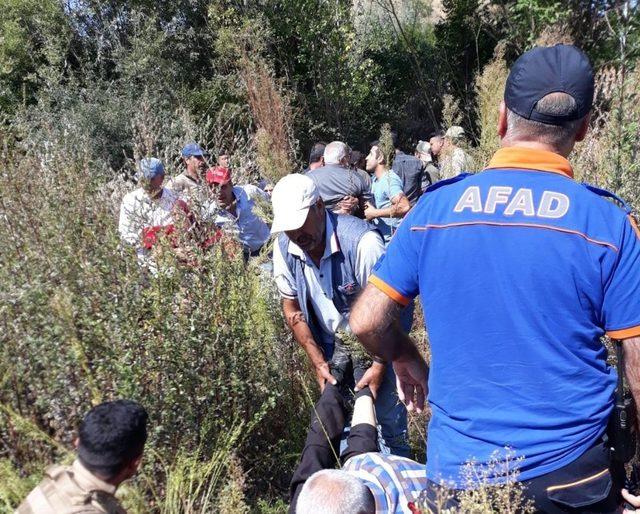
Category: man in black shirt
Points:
column 410, row 170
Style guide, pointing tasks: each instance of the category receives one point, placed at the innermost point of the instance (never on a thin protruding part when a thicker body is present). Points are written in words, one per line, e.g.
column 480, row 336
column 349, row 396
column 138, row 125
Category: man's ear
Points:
column 76, row 442
column 502, row 120
column 584, row 128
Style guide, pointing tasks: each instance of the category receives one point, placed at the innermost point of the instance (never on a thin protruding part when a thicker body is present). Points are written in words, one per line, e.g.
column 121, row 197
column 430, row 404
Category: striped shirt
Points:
column 394, row 481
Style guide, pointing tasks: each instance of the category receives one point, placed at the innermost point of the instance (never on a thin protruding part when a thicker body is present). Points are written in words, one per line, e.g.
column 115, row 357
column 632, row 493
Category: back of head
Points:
column 548, row 95
column 560, row 104
column 317, row 152
column 356, row 158
column 333, row 491
column 335, row 152
column 111, row 436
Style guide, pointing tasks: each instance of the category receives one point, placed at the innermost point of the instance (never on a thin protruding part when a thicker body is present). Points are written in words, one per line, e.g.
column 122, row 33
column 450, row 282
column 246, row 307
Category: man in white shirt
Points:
column 234, row 205
column 321, row 261
column 148, row 213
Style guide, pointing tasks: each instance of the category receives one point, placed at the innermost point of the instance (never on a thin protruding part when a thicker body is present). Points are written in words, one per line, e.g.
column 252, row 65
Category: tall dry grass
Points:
column 204, row 348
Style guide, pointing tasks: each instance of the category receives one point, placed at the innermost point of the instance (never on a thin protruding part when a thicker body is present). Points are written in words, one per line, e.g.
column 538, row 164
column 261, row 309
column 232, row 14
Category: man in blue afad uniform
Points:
column 520, row 271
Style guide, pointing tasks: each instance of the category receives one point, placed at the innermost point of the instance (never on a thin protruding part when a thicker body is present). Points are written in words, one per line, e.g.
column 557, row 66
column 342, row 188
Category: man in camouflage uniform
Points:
column 110, row 445
column 453, row 159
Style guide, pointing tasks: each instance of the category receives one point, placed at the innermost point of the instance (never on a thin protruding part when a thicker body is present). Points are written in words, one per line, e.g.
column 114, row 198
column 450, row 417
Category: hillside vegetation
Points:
column 87, row 88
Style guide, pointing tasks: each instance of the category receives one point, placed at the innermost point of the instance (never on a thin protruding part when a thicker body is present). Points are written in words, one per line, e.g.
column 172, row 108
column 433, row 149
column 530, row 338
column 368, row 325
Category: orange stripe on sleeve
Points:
column 634, row 225
column 625, row 333
column 389, row 291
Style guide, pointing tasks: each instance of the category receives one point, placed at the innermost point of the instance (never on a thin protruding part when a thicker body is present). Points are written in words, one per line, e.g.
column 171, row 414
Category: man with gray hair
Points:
column 342, row 189
column 368, row 482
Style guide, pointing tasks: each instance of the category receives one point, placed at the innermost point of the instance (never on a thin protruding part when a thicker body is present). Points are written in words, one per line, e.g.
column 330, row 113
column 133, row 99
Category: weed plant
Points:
column 203, row 348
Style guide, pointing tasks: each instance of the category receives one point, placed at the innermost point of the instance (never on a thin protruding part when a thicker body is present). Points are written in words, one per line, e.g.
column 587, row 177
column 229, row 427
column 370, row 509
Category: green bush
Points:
column 204, row 349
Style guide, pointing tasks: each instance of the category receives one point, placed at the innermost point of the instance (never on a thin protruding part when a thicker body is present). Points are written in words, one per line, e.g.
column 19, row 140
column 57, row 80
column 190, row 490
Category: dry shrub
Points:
column 203, row 348
column 231, row 498
column 488, row 488
column 267, row 99
column 451, row 113
column 555, row 34
column 490, row 92
column 608, row 157
column 385, row 144
column 272, row 113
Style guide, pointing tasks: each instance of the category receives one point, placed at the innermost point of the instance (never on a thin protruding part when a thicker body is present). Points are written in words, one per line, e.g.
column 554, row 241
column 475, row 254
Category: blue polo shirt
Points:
column 520, row 271
column 384, row 189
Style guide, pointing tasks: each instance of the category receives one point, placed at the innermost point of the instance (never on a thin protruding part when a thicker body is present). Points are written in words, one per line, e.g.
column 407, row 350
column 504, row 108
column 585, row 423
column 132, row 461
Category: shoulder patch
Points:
column 611, row 196
column 446, row 182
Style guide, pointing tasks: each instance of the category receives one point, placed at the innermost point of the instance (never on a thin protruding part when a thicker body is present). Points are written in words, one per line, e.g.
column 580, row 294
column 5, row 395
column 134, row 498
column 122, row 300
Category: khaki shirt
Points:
column 71, row 490
column 455, row 162
column 189, row 190
column 182, row 184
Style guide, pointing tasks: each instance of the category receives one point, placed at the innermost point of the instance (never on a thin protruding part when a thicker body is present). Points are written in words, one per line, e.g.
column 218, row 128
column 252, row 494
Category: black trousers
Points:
column 589, row 484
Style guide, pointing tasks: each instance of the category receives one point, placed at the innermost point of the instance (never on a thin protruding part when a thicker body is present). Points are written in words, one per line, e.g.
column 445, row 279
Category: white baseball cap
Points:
column 292, row 197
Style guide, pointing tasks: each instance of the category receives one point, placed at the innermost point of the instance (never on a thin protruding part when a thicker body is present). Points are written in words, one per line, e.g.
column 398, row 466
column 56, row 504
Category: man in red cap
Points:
column 234, row 205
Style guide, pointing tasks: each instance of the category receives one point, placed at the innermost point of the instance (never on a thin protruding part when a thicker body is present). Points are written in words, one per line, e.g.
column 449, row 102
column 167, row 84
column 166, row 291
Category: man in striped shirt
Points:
column 369, row 482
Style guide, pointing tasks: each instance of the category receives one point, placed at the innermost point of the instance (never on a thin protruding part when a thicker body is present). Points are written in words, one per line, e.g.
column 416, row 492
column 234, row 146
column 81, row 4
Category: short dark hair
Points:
column 437, row 133
column 355, row 157
column 317, row 152
column 558, row 104
column 112, row 435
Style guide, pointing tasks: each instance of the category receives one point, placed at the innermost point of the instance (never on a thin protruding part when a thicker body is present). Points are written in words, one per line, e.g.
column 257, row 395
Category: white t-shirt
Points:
column 319, row 280
column 139, row 211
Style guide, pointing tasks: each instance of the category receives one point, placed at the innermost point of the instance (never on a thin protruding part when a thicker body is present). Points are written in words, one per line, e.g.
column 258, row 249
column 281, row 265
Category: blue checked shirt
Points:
column 394, row 481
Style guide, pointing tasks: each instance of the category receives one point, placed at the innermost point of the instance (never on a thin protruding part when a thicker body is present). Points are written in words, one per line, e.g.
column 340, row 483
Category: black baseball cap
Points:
column 545, row 70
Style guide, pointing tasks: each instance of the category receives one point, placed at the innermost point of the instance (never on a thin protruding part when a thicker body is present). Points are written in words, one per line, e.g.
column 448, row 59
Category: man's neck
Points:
column 380, row 171
column 155, row 195
column 231, row 206
column 317, row 253
column 193, row 176
column 536, row 145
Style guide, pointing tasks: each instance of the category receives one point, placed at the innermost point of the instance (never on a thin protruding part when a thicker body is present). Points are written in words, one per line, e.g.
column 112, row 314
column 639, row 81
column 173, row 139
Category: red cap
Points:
column 219, row 175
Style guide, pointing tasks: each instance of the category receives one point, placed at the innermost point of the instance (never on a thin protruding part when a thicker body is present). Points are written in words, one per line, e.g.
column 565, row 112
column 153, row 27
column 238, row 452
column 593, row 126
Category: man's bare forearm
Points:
column 375, row 323
column 301, row 332
column 631, row 349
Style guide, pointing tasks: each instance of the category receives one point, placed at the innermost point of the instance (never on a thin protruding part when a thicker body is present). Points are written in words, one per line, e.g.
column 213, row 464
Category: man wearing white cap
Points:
column 321, row 262
column 453, row 159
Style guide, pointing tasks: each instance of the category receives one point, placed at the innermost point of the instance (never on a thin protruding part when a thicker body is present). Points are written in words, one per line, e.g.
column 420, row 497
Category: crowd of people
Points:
column 203, row 200
column 520, row 270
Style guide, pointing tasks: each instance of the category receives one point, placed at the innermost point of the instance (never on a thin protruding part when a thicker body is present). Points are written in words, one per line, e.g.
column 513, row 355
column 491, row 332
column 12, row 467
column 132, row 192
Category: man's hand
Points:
column 370, row 212
column 411, row 380
column 631, row 500
column 347, row 205
column 373, row 378
column 323, row 375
